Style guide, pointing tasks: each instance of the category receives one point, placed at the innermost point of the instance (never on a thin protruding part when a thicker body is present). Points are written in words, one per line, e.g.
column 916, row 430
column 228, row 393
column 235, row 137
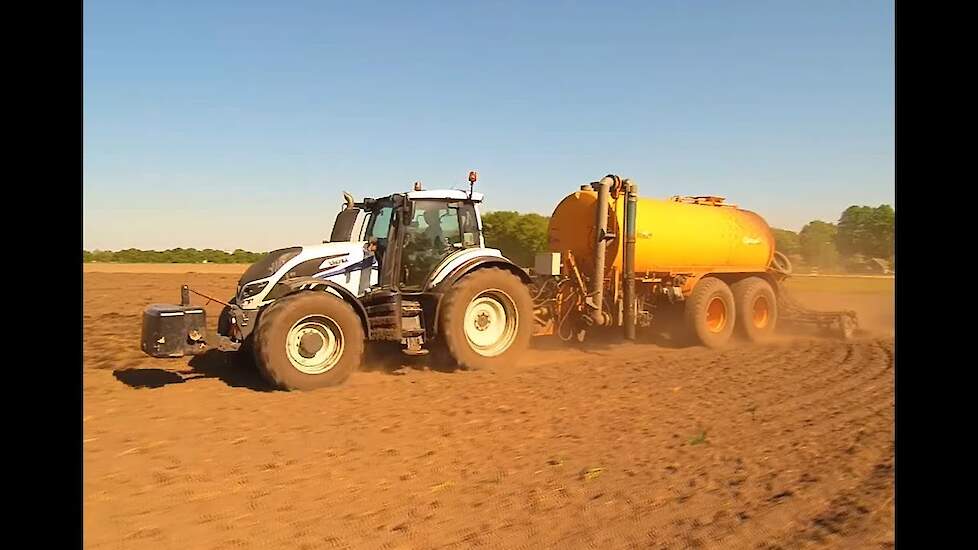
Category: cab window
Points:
column 380, row 223
column 437, row 229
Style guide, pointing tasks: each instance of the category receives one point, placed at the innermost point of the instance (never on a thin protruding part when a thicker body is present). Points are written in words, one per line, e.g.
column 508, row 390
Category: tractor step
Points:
column 414, row 339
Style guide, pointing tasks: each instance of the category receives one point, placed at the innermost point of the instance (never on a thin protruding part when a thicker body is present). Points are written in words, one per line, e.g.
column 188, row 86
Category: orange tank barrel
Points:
column 673, row 235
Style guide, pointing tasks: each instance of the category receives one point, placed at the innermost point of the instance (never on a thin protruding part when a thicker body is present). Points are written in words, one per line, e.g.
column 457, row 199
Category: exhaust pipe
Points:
column 596, row 302
column 628, row 262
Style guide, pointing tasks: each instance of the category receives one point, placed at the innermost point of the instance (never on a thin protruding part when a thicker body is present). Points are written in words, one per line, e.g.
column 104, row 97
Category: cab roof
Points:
column 453, row 194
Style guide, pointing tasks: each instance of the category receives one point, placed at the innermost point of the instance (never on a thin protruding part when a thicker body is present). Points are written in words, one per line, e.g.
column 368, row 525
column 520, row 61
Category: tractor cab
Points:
column 411, row 234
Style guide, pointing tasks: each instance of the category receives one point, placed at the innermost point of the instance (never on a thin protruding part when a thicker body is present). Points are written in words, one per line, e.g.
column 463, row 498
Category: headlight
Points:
column 253, row 289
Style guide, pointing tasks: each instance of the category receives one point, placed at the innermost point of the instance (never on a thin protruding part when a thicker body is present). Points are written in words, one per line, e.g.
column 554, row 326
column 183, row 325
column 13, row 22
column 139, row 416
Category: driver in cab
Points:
column 432, row 234
column 423, row 249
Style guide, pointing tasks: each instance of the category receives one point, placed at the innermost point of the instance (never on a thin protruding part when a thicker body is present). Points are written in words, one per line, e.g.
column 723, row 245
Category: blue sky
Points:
column 238, row 124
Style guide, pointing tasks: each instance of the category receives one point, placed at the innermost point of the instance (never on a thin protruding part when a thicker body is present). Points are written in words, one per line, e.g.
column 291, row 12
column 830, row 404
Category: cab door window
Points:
column 378, row 229
column 437, row 229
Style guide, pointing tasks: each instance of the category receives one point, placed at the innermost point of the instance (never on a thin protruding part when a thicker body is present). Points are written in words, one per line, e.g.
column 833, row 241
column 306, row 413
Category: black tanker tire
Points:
column 452, row 319
column 694, row 312
column 746, row 292
column 273, row 327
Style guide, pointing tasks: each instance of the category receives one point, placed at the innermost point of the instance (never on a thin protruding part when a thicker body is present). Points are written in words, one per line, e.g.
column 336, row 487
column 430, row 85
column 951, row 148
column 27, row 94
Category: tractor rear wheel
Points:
column 487, row 319
column 308, row 340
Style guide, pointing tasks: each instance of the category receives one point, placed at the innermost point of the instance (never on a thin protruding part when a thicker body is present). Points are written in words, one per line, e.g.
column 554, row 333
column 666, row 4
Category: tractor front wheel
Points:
column 308, row 340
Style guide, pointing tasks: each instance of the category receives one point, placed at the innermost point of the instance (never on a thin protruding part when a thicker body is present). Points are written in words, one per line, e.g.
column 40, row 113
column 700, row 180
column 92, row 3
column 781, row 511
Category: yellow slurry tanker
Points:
column 413, row 268
column 711, row 262
column 692, row 234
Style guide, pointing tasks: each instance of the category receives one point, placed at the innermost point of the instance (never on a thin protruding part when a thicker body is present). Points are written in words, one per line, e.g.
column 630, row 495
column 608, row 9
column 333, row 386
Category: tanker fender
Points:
column 729, row 277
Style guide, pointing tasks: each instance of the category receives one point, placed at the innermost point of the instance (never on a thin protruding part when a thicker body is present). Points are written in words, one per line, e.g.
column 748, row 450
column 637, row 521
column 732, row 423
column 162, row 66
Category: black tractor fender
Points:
column 307, row 284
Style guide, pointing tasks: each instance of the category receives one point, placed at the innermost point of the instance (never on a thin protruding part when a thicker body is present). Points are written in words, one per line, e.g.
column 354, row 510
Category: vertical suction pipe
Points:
column 628, row 262
column 601, row 243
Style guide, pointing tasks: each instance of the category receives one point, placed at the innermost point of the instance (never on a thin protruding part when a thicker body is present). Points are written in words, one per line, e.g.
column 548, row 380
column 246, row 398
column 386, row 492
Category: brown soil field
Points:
column 783, row 445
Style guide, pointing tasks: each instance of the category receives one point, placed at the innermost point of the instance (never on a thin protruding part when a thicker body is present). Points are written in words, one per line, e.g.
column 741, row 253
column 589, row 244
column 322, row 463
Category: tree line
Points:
column 861, row 233
column 171, row 256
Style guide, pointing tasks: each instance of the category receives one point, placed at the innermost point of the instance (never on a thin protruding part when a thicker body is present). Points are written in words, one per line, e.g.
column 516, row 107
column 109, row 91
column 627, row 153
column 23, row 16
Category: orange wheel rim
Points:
column 761, row 312
column 716, row 315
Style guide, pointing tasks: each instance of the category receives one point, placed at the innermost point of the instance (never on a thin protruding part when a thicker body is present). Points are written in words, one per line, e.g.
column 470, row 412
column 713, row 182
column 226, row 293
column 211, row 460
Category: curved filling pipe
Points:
column 601, row 243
